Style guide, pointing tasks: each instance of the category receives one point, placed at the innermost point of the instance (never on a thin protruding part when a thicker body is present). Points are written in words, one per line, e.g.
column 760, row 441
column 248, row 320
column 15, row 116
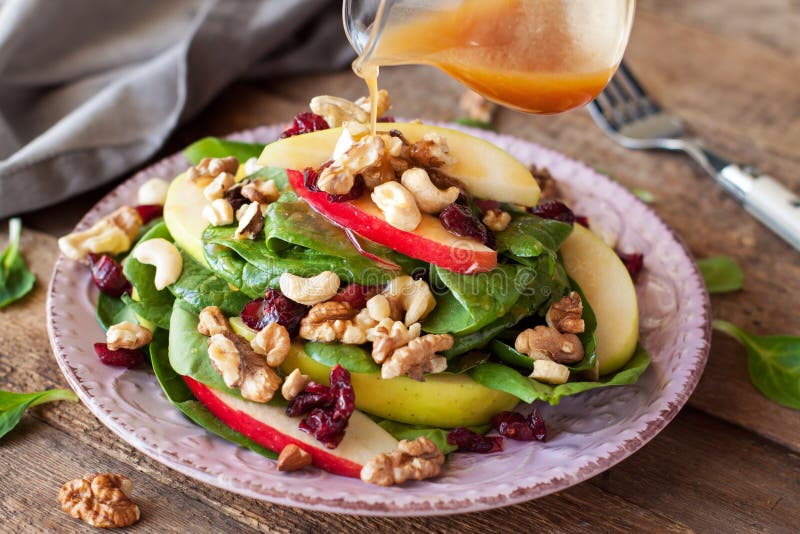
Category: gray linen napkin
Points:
column 91, row 88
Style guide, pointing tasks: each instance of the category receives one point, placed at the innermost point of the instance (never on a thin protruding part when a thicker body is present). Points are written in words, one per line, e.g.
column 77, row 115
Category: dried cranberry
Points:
column 514, row 425
column 634, row 262
column 459, row 220
column 235, row 198
column 555, row 210
column 356, row 295
column 274, row 308
column 315, row 395
column 583, row 220
column 310, row 177
column 386, row 118
column 469, row 441
column 148, row 212
column 355, row 192
column 107, row 275
column 487, row 205
column 129, row 358
column 328, row 409
column 306, row 122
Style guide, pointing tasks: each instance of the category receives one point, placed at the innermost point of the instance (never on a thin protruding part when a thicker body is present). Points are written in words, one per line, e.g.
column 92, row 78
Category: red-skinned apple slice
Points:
column 271, row 427
column 429, row 242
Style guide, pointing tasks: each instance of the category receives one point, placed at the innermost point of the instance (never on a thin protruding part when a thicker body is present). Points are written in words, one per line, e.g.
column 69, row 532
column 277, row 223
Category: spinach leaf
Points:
column 773, row 363
column 467, row 362
column 199, row 287
column 529, row 236
column 482, row 337
column 511, row 356
column 473, row 300
column 214, row 147
column 644, row 195
column 721, row 274
column 353, row 358
column 109, row 309
column 181, row 397
column 503, row 378
column 152, row 304
column 188, row 349
column 13, row 405
column 16, row 280
column 475, row 123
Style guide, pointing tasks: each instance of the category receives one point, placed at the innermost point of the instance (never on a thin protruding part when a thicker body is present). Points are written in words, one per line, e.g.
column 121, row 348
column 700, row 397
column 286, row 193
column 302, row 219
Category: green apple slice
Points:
column 443, row 400
column 487, row 171
column 609, row 289
column 183, row 215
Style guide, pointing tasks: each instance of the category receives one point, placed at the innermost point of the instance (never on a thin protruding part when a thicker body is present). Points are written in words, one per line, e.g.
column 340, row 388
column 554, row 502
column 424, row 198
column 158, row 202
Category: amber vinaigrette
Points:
column 538, row 56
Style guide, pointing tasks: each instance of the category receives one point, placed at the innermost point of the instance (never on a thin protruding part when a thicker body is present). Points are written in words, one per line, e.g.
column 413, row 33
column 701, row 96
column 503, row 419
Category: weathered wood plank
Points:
column 36, row 459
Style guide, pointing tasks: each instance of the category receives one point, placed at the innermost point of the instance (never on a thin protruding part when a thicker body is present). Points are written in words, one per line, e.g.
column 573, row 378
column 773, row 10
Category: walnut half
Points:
column 546, row 343
column 566, row 314
column 418, row 357
column 241, row 367
column 101, row 500
column 413, row 460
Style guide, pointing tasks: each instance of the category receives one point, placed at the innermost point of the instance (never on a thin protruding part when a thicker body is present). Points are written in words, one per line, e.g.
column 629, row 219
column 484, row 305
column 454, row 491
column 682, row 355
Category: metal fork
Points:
column 626, row 113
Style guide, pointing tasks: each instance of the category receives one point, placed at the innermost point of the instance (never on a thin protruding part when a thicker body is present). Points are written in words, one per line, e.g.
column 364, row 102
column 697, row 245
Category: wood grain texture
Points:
column 728, row 463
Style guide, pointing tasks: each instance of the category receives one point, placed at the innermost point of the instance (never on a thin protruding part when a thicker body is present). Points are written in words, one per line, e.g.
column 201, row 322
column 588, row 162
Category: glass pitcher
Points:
column 538, row 56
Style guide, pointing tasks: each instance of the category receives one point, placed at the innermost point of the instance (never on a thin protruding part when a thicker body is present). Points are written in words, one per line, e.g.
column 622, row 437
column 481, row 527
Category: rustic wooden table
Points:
column 728, row 462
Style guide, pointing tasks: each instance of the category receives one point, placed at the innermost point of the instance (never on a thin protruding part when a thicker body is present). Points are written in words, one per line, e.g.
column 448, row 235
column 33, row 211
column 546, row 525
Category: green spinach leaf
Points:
column 721, row 274
column 530, row 236
column 472, row 300
column 16, row 280
column 503, row 378
column 188, row 349
column 773, row 363
column 13, row 405
column 214, row 147
column 511, row 356
column 153, row 305
column 475, row 123
column 353, row 358
column 181, row 397
column 483, row 336
column 199, row 287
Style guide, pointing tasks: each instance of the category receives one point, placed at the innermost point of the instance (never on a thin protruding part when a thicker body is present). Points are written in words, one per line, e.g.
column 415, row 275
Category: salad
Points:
column 368, row 302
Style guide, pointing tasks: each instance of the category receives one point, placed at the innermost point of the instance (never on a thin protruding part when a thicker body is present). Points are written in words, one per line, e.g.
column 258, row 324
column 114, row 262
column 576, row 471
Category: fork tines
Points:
column 624, row 100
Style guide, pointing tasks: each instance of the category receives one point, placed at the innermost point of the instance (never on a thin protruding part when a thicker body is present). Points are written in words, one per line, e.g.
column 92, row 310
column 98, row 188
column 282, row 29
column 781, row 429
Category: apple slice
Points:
column 184, row 218
column 428, row 242
column 609, row 289
column 487, row 171
column 270, row 426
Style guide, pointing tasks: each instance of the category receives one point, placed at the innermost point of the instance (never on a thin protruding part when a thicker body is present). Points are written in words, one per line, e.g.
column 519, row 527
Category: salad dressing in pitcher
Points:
column 538, row 56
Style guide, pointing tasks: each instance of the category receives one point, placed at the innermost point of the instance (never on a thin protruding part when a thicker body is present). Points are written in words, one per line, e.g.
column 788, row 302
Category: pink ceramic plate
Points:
column 588, row 433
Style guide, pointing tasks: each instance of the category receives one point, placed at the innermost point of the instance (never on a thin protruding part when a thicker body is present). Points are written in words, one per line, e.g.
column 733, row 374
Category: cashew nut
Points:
column 294, row 384
column 384, row 102
column 153, row 191
column 219, row 212
column 113, row 234
column 163, row 255
column 415, row 296
column 310, row 291
column 398, row 206
column 430, row 198
column 550, row 372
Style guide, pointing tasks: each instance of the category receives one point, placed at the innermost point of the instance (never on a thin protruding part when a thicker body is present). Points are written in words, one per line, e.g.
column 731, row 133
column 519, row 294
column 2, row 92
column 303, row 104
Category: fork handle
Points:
column 766, row 199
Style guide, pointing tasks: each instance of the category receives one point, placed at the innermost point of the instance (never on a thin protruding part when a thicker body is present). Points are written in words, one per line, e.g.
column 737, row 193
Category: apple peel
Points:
column 430, row 242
